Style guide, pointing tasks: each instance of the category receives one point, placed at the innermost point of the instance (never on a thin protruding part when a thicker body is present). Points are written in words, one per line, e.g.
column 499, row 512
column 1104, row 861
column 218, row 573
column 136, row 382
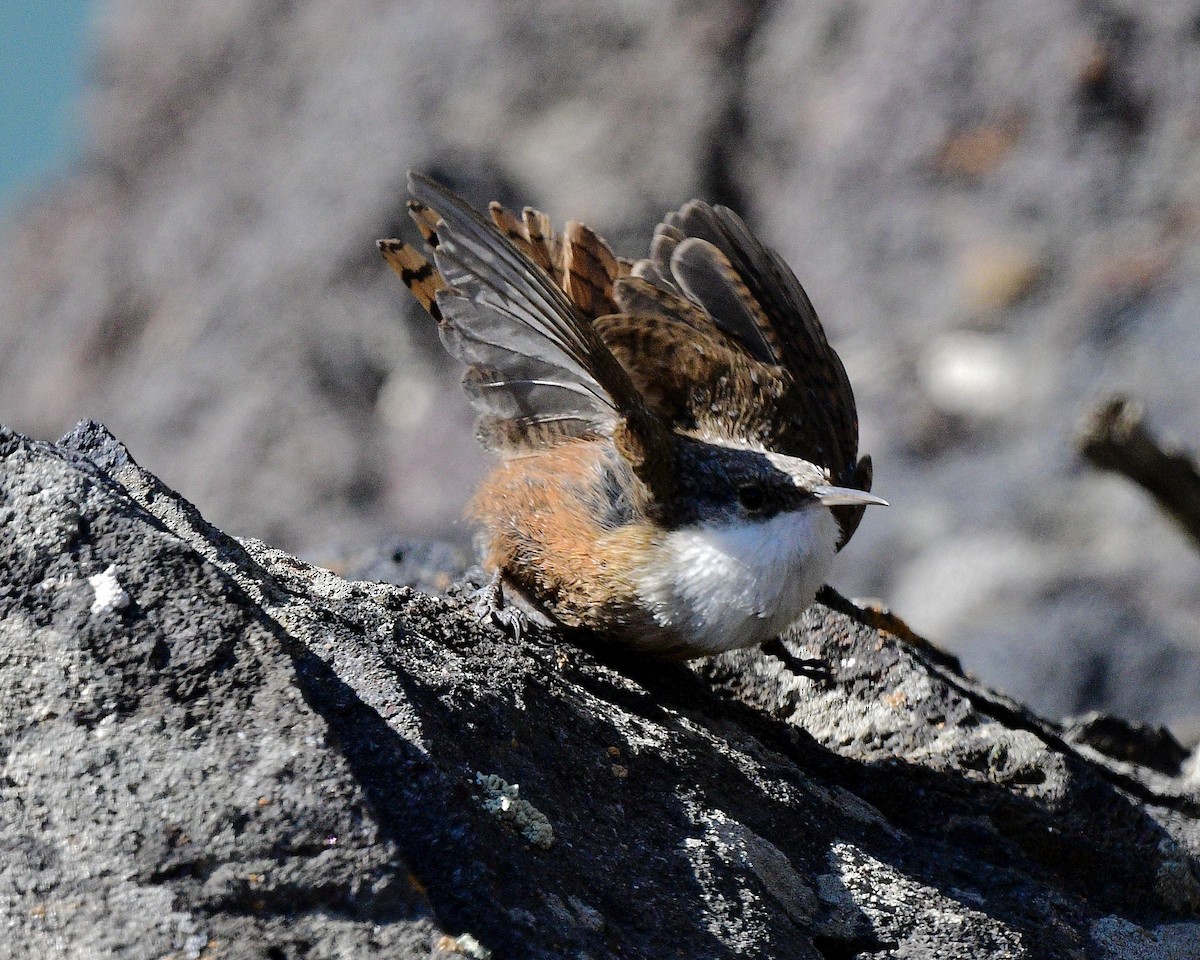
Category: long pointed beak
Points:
column 846, row 497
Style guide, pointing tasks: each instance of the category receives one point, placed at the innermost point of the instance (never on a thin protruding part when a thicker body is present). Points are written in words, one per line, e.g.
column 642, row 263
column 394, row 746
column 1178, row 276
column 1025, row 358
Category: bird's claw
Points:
column 491, row 607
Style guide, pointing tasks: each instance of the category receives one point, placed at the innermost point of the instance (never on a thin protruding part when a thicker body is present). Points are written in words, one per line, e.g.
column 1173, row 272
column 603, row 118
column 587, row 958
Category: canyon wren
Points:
column 677, row 439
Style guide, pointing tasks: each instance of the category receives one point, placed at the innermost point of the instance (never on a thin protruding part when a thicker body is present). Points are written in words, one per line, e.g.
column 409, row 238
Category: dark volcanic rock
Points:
column 212, row 749
column 995, row 207
column 170, row 781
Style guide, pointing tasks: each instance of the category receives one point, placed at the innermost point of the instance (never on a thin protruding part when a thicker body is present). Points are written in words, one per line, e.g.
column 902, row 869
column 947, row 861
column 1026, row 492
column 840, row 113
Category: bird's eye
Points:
column 751, row 497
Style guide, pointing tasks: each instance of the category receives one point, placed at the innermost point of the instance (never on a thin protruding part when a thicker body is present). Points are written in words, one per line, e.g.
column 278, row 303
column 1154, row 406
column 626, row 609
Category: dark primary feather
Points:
column 666, row 239
column 707, row 277
column 804, row 348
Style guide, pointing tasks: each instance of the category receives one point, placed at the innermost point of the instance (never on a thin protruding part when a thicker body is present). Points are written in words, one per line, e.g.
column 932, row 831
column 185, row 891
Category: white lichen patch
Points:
column 860, row 887
column 503, row 799
column 742, row 878
column 110, row 595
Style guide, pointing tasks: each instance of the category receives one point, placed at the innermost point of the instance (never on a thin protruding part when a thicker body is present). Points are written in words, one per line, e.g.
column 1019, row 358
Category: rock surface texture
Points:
column 995, row 207
column 213, row 750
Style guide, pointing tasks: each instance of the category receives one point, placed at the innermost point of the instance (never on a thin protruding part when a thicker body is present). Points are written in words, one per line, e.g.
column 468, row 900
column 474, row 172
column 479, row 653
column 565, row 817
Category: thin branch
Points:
column 1115, row 437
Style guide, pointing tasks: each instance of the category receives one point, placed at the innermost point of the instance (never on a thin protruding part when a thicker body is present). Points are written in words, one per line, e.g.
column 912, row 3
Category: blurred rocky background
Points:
column 994, row 205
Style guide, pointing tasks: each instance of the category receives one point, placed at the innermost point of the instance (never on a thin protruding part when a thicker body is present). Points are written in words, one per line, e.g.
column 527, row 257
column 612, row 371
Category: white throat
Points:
column 723, row 586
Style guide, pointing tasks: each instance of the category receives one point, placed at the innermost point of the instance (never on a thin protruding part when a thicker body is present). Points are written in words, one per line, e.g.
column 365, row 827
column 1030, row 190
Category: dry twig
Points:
column 1115, row 437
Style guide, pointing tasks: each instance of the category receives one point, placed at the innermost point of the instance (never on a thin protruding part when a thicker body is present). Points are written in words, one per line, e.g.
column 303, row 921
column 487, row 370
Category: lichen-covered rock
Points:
column 212, row 749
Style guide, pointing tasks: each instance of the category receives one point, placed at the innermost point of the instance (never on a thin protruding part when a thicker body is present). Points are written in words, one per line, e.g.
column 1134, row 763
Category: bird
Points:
column 677, row 440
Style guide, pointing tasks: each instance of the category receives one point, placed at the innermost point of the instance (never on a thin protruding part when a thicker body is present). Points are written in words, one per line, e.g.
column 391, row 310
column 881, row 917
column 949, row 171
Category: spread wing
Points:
column 515, row 304
column 710, row 282
column 711, row 335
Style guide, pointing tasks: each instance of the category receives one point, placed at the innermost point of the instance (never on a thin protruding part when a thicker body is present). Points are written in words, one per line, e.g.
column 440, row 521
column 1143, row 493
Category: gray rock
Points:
column 213, row 749
column 166, row 786
column 992, row 206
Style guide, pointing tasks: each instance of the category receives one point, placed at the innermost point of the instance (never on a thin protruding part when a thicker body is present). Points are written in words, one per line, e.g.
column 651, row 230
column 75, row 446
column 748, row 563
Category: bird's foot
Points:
column 491, row 607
